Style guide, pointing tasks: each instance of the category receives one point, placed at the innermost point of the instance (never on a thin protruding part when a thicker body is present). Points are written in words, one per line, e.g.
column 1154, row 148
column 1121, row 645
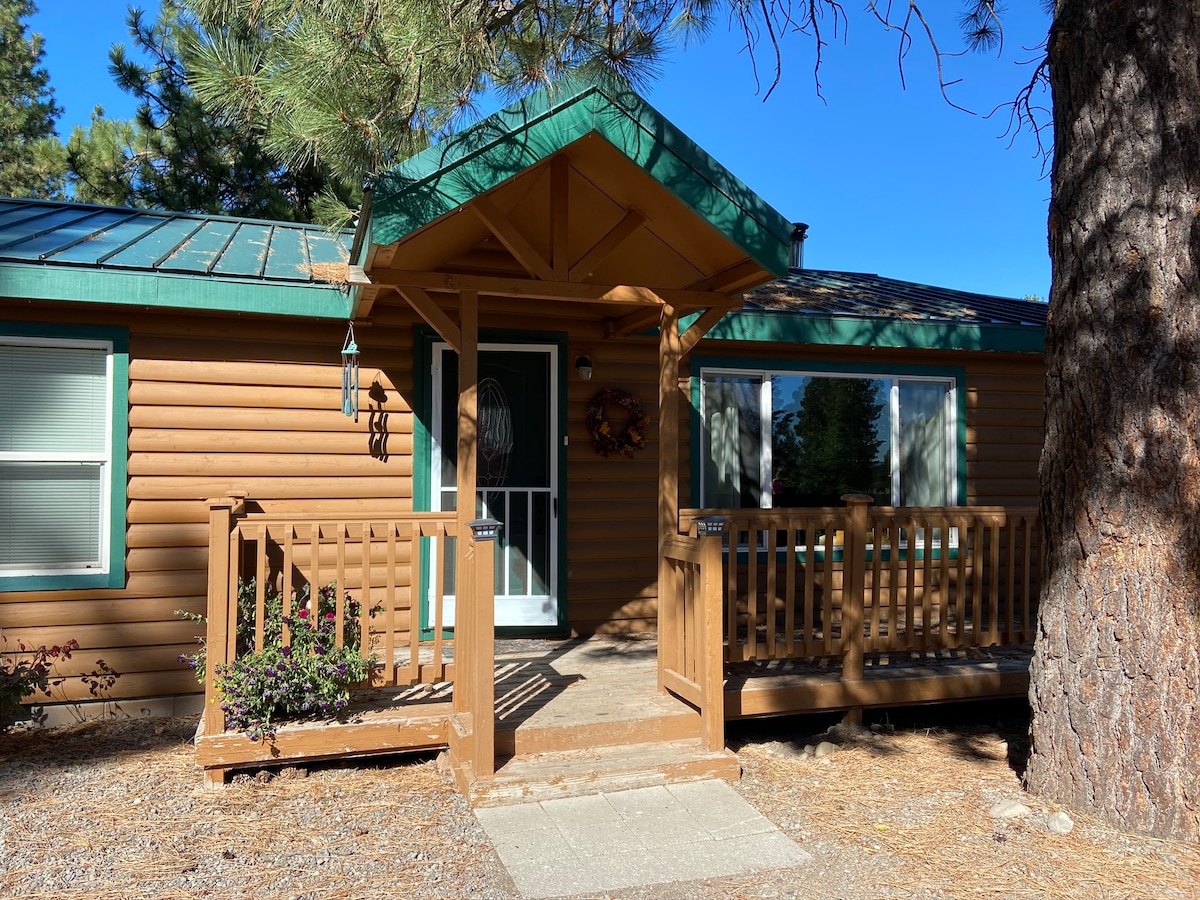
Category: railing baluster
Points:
column 789, row 590
column 770, row 598
column 339, row 599
column 808, row 601
column 439, row 602
column 260, row 588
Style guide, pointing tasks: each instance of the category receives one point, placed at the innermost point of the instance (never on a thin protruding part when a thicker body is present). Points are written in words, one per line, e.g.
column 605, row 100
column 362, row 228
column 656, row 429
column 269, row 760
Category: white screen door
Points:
column 517, row 459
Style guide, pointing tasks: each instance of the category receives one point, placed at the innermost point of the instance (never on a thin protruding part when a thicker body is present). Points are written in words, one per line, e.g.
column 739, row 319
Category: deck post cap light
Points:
column 485, row 529
column 711, row 525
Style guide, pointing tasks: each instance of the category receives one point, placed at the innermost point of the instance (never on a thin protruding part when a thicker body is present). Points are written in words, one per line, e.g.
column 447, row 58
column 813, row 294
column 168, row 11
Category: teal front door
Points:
column 518, row 477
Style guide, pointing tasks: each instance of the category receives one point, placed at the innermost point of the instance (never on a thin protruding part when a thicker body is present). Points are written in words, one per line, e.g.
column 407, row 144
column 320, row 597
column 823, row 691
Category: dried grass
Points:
column 91, row 814
column 330, row 273
column 116, row 809
column 918, row 802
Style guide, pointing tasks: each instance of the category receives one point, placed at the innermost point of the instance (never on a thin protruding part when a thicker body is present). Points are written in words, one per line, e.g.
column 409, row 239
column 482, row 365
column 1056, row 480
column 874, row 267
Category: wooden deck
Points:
column 556, row 701
column 779, row 687
column 586, row 714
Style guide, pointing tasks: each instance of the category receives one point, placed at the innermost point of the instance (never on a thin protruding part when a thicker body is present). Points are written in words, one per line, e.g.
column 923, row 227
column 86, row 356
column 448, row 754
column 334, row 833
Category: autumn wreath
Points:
column 605, row 438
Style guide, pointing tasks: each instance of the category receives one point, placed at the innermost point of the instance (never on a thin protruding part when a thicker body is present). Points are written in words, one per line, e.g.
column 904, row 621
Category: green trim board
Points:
column 443, row 178
column 791, row 328
column 697, row 363
column 83, row 284
column 118, row 470
column 424, row 339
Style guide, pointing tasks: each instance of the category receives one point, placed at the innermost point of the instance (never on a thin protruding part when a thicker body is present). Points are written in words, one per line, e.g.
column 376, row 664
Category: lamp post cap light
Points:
column 485, row 529
column 710, row 525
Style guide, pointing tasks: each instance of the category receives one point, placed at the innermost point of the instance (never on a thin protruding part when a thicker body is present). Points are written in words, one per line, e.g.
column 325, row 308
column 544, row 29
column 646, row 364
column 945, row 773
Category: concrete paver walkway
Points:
column 655, row 835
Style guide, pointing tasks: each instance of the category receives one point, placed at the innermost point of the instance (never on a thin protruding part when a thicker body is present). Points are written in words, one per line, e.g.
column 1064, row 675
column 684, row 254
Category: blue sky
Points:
column 890, row 181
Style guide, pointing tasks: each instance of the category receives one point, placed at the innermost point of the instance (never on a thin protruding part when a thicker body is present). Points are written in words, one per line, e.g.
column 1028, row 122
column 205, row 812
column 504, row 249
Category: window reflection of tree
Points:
column 829, row 443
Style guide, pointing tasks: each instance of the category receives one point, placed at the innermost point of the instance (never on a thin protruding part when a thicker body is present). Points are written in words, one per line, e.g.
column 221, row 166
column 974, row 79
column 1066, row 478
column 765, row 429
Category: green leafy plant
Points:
column 30, row 670
column 300, row 672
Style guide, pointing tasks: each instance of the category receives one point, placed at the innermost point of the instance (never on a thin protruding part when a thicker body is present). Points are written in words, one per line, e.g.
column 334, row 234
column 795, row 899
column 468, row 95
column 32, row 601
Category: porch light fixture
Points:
column 350, row 375
column 707, row 526
column 485, row 529
column 583, row 365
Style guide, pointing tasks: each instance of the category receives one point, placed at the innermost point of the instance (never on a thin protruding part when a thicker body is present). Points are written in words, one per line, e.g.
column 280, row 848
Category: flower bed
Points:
column 300, row 672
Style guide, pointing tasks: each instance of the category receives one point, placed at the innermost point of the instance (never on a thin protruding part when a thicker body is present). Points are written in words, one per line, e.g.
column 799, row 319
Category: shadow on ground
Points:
column 968, row 729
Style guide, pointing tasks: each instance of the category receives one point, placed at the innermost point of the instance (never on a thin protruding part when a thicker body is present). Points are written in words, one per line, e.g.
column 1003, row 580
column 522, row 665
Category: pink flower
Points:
column 331, row 615
column 304, row 613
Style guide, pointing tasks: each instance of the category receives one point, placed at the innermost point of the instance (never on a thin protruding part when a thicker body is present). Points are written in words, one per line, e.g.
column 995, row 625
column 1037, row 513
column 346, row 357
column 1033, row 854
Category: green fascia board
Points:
column 119, row 470
column 443, row 178
column 166, row 291
column 847, row 331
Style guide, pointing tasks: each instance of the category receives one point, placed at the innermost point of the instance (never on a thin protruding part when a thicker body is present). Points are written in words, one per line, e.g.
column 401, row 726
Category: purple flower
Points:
column 286, row 651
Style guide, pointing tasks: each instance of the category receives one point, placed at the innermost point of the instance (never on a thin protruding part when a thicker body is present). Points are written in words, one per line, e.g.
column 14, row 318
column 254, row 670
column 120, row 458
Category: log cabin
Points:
column 805, row 486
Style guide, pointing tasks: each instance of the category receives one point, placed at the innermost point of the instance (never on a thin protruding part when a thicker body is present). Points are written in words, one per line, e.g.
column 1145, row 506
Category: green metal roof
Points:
column 82, row 252
column 477, row 159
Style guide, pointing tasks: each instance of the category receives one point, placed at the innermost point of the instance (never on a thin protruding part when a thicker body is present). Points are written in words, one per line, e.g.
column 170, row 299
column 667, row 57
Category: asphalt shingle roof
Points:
column 857, row 295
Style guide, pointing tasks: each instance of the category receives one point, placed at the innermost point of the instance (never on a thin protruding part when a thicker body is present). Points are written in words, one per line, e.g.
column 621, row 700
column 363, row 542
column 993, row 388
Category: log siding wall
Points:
column 221, row 403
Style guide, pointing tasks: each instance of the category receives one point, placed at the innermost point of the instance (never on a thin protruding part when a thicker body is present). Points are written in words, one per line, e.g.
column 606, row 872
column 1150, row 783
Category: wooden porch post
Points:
column 482, row 540
column 669, row 354
column 854, row 566
column 464, row 559
column 711, row 674
column 474, row 637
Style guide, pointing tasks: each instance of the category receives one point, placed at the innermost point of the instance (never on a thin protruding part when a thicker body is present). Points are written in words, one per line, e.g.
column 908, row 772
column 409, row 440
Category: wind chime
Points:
column 350, row 375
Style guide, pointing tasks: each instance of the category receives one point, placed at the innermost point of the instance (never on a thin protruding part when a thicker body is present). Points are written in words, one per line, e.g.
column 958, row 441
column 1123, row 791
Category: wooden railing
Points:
column 376, row 561
column 852, row 580
column 689, row 646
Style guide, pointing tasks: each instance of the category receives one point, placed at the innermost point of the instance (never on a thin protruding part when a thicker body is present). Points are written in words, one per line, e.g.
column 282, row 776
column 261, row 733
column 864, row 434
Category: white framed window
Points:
column 773, row 438
column 56, row 459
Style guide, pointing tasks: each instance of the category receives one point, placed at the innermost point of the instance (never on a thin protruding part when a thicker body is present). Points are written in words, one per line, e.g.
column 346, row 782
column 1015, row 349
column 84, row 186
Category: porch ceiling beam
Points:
column 365, row 303
column 532, row 289
column 560, row 173
column 607, row 245
column 690, row 338
column 516, row 243
column 740, row 276
column 433, row 315
column 636, row 321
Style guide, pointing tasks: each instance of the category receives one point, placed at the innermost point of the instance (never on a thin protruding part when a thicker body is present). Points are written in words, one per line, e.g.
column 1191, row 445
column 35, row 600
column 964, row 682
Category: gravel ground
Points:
column 117, row 810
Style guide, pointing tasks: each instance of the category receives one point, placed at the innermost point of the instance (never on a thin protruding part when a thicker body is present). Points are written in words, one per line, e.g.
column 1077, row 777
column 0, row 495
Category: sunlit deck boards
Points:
column 551, row 696
column 781, row 687
column 583, row 693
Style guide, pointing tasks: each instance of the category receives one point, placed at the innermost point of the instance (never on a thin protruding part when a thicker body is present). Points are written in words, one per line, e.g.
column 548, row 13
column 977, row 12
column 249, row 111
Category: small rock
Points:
column 785, row 750
column 1008, row 809
column 824, row 749
column 263, row 776
column 1059, row 823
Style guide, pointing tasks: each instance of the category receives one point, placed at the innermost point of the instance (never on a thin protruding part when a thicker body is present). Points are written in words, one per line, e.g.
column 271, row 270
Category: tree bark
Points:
column 1116, row 670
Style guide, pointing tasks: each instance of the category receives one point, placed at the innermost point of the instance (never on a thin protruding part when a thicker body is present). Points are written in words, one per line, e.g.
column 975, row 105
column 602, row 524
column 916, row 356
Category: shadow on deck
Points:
column 569, row 711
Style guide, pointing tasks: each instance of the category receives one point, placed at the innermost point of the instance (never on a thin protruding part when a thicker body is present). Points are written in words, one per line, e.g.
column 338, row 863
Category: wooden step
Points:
column 674, row 722
column 580, row 772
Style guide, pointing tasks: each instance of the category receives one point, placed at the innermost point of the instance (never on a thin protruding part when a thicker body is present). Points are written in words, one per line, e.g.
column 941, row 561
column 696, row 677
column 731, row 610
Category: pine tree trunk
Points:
column 1116, row 672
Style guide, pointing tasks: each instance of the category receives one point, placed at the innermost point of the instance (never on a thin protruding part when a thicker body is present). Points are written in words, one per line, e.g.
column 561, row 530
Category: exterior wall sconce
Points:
column 583, row 365
column 707, row 526
column 485, row 529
